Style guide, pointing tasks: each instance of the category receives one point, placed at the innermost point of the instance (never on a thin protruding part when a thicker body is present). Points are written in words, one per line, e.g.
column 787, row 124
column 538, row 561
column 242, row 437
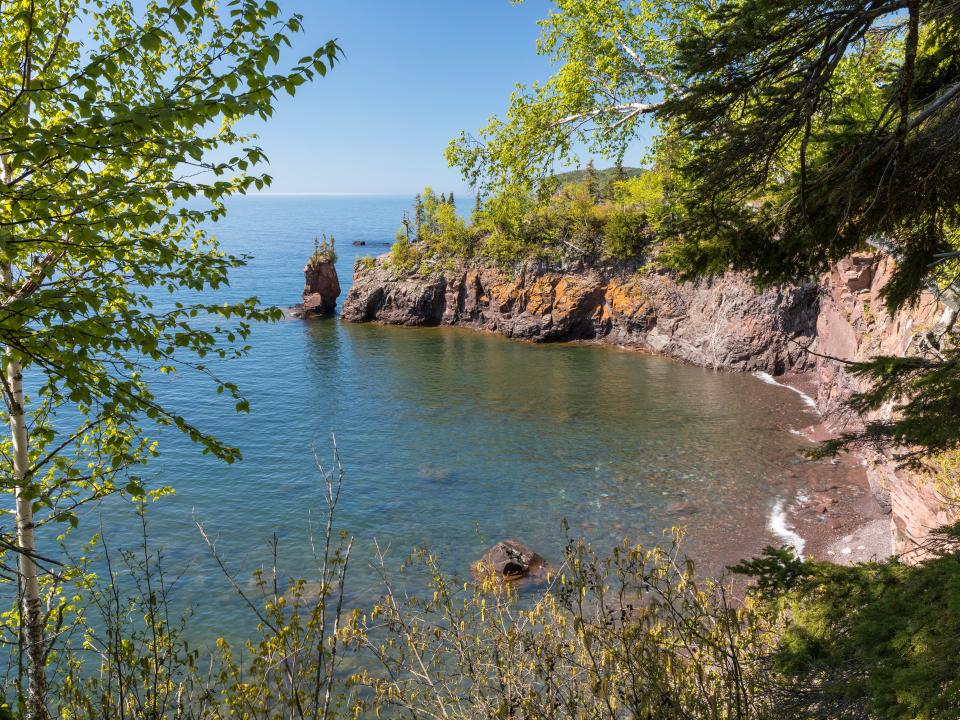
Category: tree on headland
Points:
column 618, row 174
column 592, row 180
column 103, row 139
column 418, row 215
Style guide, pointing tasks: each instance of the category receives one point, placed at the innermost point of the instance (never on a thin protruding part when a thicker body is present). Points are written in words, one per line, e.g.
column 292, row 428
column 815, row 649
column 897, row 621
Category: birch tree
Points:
column 111, row 120
column 614, row 70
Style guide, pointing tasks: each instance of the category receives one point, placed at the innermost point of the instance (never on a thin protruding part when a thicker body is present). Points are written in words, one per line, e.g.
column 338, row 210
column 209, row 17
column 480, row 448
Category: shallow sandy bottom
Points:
column 834, row 511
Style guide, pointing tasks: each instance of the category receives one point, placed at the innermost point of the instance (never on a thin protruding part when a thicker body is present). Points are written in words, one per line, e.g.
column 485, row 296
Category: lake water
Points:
column 449, row 438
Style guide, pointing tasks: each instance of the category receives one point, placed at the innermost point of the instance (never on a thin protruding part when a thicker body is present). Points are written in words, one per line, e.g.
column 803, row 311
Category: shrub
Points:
column 365, row 262
column 626, row 234
column 876, row 640
column 405, row 257
column 630, row 635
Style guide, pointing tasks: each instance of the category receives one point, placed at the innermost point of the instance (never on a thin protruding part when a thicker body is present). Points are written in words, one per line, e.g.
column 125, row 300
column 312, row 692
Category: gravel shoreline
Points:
column 833, row 510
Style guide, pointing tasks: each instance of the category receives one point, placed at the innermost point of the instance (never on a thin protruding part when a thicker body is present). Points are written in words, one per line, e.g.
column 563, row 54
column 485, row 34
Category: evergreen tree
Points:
column 418, row 215
column 451, row 201
column 806, row 133
column 593, row 181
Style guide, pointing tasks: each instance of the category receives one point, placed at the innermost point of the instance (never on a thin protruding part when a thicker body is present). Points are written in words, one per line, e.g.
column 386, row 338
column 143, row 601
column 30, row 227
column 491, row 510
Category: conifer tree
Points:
column 593, row 181
column 419, row 216
column 807, row 133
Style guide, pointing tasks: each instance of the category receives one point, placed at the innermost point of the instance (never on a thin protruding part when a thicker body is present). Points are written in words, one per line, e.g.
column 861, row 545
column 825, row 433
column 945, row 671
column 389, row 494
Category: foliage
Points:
column 873, row 640
column 609, row 221
column 629, row 635
column 634, row 633
column 124, row 654
column 367, row 262
column 926, row 390
column 625, row 234
column 945, row 467
column 615, row 66
column 824, row 129
column 643, row 191
column 324, row 251
column 789, row 134
column 119, row 137
column 405, row 257
column 810, row 130
column 607, row 178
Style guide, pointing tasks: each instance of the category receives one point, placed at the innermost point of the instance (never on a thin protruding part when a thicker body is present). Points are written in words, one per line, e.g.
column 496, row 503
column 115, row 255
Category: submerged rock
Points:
column 510, row 560
column 320, row 290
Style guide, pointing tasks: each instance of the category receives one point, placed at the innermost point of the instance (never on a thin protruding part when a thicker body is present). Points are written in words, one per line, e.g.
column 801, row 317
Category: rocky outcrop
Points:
column 722, row 323
column 854, row 325
column 321, row 289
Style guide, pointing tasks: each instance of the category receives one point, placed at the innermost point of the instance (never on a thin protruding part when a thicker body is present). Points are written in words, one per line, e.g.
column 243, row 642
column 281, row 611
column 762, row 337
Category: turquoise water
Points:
column 449, row 438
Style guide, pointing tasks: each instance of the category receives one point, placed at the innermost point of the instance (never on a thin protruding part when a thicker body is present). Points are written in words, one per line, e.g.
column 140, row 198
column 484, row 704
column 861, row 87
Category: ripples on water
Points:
column 449, row 438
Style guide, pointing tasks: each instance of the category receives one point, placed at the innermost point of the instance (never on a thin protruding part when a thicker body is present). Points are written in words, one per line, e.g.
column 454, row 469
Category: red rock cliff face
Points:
column 721, row 323
column 853, row 324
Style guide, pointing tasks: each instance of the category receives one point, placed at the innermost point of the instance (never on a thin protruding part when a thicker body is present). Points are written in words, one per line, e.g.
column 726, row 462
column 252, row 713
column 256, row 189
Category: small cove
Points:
column 449, row 438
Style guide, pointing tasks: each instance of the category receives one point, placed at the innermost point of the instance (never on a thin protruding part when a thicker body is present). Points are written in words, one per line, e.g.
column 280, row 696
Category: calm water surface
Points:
column 449, row 438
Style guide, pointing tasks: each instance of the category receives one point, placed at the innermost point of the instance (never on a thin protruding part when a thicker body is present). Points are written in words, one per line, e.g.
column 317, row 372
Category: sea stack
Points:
column 321, row 286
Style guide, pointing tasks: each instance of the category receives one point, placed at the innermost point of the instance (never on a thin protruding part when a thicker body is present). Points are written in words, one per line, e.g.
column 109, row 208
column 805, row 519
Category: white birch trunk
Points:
column 32, row 620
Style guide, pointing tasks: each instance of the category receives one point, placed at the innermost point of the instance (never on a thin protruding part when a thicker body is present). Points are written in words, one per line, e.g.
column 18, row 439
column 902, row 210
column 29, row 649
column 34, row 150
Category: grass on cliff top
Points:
column 876, row 640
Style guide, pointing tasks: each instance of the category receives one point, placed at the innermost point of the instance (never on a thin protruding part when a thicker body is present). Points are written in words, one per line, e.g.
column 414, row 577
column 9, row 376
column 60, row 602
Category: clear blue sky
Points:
column 416, row 72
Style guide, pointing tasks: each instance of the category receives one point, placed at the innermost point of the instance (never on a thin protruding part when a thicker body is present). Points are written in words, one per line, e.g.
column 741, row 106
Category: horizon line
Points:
column 323, row 194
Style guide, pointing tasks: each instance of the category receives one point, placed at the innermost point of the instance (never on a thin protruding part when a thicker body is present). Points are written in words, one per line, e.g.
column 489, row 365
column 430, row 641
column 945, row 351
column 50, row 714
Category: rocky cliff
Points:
column 853, row 324
column 721, row 323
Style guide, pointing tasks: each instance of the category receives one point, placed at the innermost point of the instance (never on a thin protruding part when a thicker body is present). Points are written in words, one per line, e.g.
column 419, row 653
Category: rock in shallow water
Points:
column 510, row 560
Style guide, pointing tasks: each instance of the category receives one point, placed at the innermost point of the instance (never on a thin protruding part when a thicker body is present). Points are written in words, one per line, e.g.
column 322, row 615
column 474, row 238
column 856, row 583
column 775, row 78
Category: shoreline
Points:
column 833, row 510
column 851, row 508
